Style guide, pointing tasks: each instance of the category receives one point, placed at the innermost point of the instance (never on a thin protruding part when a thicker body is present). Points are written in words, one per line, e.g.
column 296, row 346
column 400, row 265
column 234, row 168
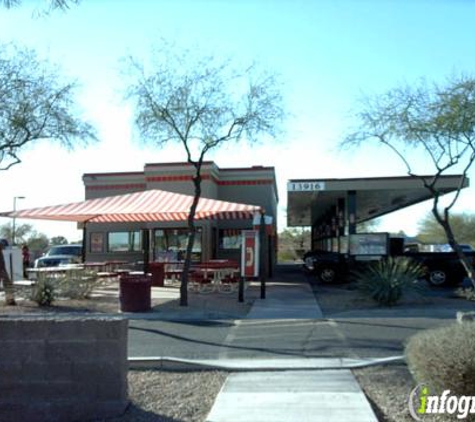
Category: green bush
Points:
column 43, row 293
column 387, row 280
column 444, row 358
column 78, row 285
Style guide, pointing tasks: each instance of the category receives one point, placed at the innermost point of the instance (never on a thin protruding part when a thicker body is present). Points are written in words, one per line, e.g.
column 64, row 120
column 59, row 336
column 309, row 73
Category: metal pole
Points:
column 262, row 256
column 84, row 242
column 146, row 250
column 242, row 280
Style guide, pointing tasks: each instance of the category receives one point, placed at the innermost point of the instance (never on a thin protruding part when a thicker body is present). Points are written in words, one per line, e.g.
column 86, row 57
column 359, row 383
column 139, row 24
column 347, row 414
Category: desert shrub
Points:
column 43, row 292
column 444, row 358
column 387, row 280
column 465, row 293
column 77, row 285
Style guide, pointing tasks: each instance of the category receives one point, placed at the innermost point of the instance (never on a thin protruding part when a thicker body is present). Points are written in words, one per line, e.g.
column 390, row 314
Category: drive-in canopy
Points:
column 317, row 201
column 146, row 206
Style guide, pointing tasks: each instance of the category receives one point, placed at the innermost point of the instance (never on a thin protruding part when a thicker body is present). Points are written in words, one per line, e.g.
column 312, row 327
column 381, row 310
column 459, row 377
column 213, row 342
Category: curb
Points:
column 255, row 365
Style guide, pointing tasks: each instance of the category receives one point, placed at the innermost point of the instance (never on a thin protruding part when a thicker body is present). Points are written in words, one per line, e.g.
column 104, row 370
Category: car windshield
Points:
column 65, row 250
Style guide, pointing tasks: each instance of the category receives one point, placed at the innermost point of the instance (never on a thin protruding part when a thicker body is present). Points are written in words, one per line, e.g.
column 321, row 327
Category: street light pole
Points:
column 13, row 222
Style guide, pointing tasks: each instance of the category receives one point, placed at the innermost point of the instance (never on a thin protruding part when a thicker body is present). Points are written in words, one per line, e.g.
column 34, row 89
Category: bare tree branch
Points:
column 35, row 105
column 202, row 103
column 438, row 120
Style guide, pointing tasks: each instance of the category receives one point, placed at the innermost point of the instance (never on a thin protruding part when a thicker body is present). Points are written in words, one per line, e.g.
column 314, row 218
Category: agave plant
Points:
column 386, row 280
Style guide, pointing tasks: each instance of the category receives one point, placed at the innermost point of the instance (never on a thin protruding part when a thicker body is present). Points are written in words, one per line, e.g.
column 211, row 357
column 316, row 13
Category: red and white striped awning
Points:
column 147, row 206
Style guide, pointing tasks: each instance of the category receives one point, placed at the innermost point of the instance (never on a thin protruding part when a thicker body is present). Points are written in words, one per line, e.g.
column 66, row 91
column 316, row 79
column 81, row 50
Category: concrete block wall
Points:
column 62, row 369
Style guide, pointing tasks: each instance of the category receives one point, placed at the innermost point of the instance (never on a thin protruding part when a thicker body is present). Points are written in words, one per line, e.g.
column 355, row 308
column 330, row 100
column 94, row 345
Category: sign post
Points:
column 249, row 258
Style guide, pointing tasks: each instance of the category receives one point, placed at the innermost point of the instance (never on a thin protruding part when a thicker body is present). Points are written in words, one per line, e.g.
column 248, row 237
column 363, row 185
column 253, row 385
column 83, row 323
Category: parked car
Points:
column 60, row 255
column 442, row 268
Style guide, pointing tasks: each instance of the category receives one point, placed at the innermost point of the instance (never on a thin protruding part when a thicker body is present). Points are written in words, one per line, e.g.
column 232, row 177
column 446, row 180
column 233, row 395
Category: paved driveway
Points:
column 376, row 332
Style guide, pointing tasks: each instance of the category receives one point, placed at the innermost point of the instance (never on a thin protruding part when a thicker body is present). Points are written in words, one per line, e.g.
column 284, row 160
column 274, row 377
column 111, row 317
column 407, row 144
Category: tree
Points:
column 463, row 226
column 201, row 103
column 35, row 104
column 37, row 243
column 293, row 242
column 22, row 232
column 26, row 234
column 368, row 226
column 438, row 120
column 50, row 4
column 59, row 240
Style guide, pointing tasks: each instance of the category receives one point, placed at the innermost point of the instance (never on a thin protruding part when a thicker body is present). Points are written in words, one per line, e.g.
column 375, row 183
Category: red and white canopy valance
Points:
column 146, row 206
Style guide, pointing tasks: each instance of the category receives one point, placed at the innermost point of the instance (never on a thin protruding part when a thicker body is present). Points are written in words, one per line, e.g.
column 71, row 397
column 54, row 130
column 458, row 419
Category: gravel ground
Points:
column 344, row 297
column 165, row 302
column 387, row 387
column 165, row 396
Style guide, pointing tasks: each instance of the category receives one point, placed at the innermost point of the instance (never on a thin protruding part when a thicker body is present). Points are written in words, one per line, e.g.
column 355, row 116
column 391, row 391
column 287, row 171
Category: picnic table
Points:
column 104, row 269
column 216, row 274
column 54, row 272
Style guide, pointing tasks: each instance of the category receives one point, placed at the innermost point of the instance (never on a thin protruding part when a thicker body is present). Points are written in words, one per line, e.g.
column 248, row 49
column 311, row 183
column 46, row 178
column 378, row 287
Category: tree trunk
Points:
column 7, row 282
column 465, row 261
column 191, row 237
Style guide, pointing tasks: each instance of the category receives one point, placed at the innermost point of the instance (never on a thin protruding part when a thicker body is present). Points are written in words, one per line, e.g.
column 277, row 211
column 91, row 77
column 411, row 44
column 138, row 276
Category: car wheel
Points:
column 437, row 277
column 327, row 274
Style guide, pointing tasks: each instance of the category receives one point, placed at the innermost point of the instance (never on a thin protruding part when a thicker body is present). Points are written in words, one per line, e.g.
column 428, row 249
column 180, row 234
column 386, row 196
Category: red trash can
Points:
column 157, row 269
column 135, row 293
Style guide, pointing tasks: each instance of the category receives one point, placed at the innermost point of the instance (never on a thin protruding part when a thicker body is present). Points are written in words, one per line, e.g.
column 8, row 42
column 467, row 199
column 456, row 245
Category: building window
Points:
column 170, row 245
column 124, row 242
column 230, row 239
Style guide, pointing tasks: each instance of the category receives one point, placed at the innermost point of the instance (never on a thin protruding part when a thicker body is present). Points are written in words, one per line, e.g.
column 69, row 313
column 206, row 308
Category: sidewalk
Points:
column 286, row 301
column 330, row 395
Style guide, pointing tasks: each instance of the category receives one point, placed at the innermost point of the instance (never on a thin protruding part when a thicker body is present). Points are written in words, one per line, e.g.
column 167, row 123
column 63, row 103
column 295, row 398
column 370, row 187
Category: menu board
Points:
column 335, row 247
column 97, row 242
column 369, row 244
column 344, row 244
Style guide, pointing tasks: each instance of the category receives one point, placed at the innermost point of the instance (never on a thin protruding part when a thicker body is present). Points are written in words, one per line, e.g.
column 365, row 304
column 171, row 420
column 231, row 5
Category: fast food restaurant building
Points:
column 215, row 239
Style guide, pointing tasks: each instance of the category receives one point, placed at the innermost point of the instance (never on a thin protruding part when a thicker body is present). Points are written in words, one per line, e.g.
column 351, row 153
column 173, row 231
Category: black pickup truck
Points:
column 442, row 268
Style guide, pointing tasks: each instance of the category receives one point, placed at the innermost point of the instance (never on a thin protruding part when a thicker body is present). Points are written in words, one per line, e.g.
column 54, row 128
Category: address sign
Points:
column 310, row 186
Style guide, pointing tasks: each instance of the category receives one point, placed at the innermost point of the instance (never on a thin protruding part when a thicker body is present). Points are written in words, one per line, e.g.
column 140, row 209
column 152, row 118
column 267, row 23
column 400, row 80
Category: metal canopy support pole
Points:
column 84, row 242
column 262, row 255
column 351, row 196
column 146, row 249
column 242, row 280
column 341, row 216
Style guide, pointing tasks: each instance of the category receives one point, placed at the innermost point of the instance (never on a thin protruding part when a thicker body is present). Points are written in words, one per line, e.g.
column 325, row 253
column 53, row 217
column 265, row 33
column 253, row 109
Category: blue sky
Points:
column 327, row 53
